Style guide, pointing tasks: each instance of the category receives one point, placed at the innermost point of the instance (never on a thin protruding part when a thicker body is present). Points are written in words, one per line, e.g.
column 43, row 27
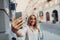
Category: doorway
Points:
column 55, row 15
column 47, row 16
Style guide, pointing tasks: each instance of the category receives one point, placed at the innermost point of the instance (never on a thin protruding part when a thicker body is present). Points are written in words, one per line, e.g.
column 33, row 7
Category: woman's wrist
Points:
column 14, row 28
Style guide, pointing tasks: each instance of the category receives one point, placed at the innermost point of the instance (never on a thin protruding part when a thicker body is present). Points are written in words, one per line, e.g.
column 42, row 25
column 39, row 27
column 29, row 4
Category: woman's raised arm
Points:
column 16, row 25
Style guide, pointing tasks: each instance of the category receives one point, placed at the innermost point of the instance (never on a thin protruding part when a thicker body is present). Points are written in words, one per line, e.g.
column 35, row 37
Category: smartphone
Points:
column 18, row 14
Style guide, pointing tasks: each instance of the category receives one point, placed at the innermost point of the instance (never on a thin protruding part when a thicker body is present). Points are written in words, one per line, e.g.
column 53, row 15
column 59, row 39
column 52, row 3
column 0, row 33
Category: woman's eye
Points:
column 31, row 18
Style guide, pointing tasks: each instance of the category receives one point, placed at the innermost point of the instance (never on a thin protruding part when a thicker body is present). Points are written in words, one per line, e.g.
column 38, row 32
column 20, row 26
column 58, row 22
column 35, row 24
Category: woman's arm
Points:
column 17, row 32
column 16, row 26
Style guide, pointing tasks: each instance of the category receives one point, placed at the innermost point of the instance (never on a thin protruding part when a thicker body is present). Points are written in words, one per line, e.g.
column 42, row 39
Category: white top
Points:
column 29, row 34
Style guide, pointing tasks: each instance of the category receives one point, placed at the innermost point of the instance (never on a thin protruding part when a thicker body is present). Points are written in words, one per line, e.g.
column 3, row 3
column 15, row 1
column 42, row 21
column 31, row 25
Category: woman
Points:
column 29, row 32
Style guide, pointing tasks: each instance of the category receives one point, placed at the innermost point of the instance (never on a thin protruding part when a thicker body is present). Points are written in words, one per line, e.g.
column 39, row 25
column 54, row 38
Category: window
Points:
column 55, row 15
column 48, row 0
column 41, row 15
column 47, row 16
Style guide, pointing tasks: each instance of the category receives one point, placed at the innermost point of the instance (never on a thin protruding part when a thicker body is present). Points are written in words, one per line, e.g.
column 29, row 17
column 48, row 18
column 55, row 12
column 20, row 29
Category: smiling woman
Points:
column 30, row 32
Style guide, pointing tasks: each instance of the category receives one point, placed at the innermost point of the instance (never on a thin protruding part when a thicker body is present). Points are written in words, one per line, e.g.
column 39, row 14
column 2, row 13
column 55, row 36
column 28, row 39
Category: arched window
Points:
column 47, row 16
column 41, row 15
column 48, row 0
column 55, row 15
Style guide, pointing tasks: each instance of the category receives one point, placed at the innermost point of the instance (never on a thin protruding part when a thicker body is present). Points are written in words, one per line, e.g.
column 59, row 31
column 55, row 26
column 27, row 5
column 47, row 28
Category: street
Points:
column 50, row 31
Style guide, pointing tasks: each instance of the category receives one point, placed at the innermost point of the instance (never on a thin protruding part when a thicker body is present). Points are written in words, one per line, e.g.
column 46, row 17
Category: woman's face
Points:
column 32, row 20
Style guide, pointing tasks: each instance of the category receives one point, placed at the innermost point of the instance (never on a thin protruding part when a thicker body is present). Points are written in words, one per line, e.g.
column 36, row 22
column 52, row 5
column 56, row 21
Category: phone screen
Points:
column 18, row 14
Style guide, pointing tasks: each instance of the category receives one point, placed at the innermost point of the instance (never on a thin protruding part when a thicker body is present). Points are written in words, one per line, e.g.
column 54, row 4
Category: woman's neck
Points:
column 32, row 27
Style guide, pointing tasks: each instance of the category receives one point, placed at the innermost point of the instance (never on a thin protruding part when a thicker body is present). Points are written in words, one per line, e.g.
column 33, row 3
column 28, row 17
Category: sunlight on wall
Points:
column 21, row 5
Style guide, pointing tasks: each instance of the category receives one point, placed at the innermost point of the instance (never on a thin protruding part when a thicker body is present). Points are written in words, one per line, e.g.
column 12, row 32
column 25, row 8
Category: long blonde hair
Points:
column 36, row 23
column 37, row 26
column 28, row 23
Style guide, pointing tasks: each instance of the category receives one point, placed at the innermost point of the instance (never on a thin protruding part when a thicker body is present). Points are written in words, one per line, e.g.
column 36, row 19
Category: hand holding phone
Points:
column 19, row 14
column 18, row 20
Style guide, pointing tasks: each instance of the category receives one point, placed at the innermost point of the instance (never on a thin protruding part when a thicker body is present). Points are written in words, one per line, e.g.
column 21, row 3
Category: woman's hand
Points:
column 17, row 24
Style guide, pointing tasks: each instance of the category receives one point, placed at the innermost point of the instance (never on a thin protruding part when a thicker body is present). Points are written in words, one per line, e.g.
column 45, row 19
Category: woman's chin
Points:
column 32, row 24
